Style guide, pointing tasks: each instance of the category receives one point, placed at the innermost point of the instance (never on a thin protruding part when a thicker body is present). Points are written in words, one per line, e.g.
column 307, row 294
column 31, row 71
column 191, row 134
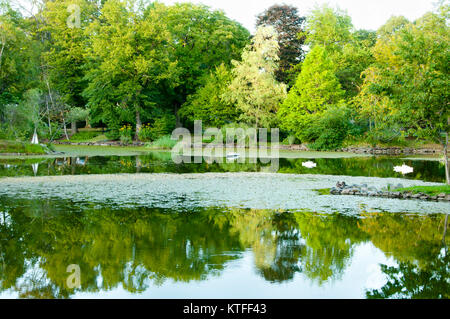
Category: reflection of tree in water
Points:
column 409, row 281
column 330, row 241
column 274, row 239
column 139, row 248
column 420, row 246
column 161, row 162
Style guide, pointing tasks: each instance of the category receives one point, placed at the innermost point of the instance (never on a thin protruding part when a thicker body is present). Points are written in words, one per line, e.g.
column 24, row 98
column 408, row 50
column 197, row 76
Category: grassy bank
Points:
column 13, row 147
column 429, row 190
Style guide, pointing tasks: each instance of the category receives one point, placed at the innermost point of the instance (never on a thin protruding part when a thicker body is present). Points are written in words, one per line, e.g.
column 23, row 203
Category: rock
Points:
column 345, row 192
column 442, row 195
column 424, row 198
column 433, row 197
column 396, row 195
column 416, row 196
column 372, row 194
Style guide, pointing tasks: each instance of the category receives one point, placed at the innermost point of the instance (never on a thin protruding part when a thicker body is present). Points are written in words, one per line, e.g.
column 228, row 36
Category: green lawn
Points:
column 21, row 147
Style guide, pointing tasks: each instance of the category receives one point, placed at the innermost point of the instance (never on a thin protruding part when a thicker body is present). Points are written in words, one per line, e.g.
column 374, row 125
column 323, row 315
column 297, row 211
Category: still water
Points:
column 217, row 230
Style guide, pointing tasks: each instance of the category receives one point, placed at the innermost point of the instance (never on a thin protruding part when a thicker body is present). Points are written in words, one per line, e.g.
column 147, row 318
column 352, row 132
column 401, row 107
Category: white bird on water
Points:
column 404, row 169
column 233, row 155
column 309, row 164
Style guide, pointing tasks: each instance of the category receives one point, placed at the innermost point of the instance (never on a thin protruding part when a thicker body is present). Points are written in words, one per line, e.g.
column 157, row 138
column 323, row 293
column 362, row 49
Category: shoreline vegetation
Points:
column 425, row 193
column 17, row 148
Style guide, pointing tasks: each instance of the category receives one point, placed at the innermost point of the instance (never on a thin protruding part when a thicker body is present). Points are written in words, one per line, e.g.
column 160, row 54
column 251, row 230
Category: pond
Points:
column 142, row 226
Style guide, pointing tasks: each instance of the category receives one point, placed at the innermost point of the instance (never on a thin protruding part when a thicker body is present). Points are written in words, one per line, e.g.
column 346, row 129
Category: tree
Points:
column 328, row 27
column 349, row 50
column 65, row 55
column 254, row 88
column 289, row 25
column 203, row 39
column 315, row 90
column 415, row 76
column 17, row 57
column 131, row 57
column 208, row 104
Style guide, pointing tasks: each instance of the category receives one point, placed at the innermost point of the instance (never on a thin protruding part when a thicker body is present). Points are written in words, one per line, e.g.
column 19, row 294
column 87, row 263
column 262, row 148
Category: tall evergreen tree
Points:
column 315, row 90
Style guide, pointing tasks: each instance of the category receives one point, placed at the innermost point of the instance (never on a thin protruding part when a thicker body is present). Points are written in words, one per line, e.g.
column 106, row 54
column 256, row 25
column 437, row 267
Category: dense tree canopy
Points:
column 135, row 64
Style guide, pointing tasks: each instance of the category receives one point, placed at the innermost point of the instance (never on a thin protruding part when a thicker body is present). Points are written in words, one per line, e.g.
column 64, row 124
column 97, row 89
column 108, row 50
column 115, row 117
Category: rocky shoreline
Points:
column 364, row 190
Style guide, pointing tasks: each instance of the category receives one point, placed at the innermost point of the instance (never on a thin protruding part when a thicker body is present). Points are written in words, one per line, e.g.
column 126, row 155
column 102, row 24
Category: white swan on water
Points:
column 404, row 169
column 309, row 164
column 233, row 155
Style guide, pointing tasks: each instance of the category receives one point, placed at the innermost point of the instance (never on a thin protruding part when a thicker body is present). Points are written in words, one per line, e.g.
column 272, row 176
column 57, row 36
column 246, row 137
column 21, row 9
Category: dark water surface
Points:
column 161, row 162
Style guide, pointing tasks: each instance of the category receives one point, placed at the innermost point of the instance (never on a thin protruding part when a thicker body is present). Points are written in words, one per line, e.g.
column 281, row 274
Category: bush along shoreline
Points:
column 424, row 193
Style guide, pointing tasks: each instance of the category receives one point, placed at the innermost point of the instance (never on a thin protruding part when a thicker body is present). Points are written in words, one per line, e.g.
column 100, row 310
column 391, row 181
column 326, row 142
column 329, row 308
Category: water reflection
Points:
column 140, row 249
column 161, row 162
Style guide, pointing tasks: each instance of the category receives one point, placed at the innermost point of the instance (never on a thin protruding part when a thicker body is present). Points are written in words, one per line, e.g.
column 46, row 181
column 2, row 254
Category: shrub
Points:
column 126, row 134
column 145, row 134
column 330, row 129
column 164, row 142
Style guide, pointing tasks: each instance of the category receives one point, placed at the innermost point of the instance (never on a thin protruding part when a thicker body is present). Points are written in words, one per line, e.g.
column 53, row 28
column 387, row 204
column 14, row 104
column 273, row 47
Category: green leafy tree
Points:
column 18, row 58
column 414, row 75
column 203, row 39
column 132, row 57
column 328, row 27
column 208, row 104
column 315, row 90
column 254, row 88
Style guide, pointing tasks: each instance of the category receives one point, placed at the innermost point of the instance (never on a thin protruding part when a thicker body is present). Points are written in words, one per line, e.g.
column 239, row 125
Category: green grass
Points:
column 21, row 147
column 164, row 142
column 87, row 136
column 430, row 190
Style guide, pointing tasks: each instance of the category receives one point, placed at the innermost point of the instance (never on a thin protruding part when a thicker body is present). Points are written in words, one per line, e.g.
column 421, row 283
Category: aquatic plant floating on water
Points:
column 309, row 164
column 404, row 169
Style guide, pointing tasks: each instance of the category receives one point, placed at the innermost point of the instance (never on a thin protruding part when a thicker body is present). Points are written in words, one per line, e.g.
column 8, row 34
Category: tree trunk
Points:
column 65, row 127
column 177, row 116
column 74, row 127
column 447, row 173
column 138, row 124
column 445, row 229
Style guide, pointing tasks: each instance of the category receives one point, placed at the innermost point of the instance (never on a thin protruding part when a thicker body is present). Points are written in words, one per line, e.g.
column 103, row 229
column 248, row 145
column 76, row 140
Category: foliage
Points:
column 21, row 147
column 126, row 134
column 315, row 90
column 331, row 129
column 208, row 103
column 163, row 142
column 288, row 24
column 254, row 88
